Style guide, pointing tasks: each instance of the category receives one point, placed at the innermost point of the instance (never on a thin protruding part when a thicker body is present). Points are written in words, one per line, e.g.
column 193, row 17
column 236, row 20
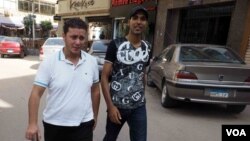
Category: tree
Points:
column 46, row 26
column 27, row 21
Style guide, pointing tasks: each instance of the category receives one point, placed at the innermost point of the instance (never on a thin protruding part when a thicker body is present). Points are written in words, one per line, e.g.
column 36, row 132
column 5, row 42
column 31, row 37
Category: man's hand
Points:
column 114, row 115
column 33, row 133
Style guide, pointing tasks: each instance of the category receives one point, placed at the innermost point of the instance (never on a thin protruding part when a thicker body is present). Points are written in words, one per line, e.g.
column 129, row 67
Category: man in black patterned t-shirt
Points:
column 126, row 60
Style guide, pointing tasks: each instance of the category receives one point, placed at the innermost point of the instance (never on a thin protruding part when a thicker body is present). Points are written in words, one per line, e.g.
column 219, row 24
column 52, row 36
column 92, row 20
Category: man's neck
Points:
column 71, row 57
column 135, row 40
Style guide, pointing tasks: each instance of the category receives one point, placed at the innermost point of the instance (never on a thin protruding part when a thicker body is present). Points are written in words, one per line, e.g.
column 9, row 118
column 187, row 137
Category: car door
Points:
column 169, row 66
column 156, row 69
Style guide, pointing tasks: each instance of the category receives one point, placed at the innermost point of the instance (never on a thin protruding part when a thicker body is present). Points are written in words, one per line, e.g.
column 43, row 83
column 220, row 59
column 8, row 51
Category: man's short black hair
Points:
column 74, row 23
column 137, row 9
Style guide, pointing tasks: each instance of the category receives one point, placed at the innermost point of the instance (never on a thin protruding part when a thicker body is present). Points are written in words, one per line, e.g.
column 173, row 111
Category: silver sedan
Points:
column 201, row 73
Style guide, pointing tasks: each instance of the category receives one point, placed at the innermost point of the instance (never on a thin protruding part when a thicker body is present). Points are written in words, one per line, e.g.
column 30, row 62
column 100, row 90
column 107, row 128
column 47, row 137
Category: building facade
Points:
column 223, row 22
column 12, row 13
column 94, row 12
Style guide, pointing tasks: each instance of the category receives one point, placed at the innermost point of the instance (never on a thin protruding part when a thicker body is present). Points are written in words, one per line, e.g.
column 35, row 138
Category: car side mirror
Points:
column 155, row 58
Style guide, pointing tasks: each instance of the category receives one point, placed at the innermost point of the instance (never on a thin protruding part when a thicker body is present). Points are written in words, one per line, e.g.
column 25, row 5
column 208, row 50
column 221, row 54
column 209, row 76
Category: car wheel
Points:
column 235, row 108
column 166, row 100
column 22, row 55
column 150, row 82
column 2, row 55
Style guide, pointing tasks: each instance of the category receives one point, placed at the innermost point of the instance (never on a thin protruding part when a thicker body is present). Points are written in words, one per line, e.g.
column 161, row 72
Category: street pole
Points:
column 33, row 23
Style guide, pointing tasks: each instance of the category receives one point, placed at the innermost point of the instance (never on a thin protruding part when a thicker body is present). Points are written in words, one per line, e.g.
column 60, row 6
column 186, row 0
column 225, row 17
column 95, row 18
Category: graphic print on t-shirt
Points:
column 127, row 87
column 128, row 56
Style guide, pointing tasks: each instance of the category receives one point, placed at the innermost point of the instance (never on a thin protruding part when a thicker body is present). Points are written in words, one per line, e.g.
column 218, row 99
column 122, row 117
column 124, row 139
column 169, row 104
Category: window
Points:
column 41, row 8
column 208, row 25
column 121, row 28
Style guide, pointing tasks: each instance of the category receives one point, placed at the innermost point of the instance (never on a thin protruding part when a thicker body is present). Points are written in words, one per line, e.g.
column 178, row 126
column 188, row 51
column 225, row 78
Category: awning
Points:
column 13, row 22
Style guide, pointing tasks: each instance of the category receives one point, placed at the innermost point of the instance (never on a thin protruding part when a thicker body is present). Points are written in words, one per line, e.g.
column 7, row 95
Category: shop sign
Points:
column 57, row 18
column 80, row 4
column 125, row 2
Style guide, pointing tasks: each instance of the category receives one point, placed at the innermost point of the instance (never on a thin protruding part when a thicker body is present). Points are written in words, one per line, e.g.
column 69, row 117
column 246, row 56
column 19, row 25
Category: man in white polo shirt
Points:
column 72, row 79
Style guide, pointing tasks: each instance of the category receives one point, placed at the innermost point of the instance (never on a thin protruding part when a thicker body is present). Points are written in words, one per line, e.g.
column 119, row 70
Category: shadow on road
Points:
column 35, row 66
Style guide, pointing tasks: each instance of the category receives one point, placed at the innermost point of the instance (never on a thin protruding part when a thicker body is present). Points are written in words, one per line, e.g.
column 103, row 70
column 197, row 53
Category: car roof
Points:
column 197, row 45
column 54, row 38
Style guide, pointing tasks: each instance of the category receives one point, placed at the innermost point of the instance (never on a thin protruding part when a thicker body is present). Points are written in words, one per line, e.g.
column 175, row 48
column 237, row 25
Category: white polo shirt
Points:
column 69, row 88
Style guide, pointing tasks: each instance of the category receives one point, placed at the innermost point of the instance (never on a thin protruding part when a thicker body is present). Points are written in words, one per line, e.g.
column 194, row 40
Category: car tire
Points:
column 235, row 108
column 2, row 55
column 150, row 82
column 22, row 55
column 166, row 100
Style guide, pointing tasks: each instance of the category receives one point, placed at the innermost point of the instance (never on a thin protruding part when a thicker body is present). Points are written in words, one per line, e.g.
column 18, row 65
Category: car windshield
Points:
column 11, row 39
column 100, row 46
column 208, row 54
column 58, row 41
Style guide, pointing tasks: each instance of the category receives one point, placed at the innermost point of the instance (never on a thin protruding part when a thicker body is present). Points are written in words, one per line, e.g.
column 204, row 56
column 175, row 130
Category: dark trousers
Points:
column 137, row 122
column 83, row 132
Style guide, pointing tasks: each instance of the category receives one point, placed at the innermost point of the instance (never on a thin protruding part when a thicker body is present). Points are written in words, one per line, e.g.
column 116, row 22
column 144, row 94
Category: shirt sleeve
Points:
column 150, row 54
column 111, row 52
column 43, row 74
column 96, row 72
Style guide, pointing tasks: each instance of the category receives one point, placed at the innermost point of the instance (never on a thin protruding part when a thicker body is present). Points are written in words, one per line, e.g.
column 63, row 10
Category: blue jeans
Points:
column 137, row 122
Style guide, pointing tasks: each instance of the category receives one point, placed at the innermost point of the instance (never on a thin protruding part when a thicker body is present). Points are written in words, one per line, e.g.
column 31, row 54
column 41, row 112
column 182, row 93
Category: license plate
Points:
column 10, row 51
column 220, row 93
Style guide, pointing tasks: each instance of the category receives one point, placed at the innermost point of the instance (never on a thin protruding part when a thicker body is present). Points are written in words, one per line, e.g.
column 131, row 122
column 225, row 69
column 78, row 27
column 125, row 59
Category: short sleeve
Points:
column 96, row 72
column 150, row 53
column 111, row 52
column 44, row 73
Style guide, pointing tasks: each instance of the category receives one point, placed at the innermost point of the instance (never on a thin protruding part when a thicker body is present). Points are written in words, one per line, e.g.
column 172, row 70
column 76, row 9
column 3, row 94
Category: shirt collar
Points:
column 61, row 57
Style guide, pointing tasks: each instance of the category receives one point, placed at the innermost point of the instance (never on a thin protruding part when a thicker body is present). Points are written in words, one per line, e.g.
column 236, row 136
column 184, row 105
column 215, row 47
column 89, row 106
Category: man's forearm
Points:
column 95, row 99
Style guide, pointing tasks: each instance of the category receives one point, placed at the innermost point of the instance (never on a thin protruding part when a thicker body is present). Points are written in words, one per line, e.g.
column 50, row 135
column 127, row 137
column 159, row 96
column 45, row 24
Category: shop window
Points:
column 120, row 28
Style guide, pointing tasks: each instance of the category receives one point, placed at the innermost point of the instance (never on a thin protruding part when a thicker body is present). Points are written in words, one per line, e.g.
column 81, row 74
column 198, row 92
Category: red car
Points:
column 12, row 46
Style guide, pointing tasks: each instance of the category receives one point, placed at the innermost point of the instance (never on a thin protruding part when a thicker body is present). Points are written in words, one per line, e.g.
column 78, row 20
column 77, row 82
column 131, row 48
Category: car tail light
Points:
column 185, row 75
column 41, row 50
column 248, row 80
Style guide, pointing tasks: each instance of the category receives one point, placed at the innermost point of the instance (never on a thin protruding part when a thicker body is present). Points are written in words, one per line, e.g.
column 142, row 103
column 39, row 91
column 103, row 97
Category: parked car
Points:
column 2, row 37
column 50, row 46
column 12, row 46
column 98, row 49
column 201, row 73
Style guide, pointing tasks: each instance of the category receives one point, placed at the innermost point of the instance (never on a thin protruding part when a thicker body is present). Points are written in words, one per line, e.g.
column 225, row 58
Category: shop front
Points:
column 94, row 12
column 119, row 12
column 11, row 26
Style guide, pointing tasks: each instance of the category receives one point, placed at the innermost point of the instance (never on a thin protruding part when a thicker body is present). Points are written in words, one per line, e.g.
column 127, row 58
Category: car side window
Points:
column 170, row 53
column 161, row 57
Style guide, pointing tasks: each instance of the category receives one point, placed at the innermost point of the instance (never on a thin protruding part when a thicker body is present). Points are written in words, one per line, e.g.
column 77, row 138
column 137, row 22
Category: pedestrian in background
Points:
column 126, row 60
column 72, row 79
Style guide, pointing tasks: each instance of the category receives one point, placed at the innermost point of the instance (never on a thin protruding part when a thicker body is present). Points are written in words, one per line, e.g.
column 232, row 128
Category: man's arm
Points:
column 113, row 112
column 33, row 106
column 95, row 96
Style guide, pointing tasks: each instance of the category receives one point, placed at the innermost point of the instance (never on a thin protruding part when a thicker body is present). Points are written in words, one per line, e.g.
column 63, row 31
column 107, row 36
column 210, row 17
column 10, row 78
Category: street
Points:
column 190, row 122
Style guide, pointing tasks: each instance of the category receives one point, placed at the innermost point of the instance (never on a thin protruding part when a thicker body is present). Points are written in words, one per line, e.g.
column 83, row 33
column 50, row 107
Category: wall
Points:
column 237, row 27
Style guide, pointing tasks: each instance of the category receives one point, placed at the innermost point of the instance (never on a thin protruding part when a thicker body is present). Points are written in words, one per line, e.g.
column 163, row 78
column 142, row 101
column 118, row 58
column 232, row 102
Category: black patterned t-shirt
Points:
column 129, row 63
